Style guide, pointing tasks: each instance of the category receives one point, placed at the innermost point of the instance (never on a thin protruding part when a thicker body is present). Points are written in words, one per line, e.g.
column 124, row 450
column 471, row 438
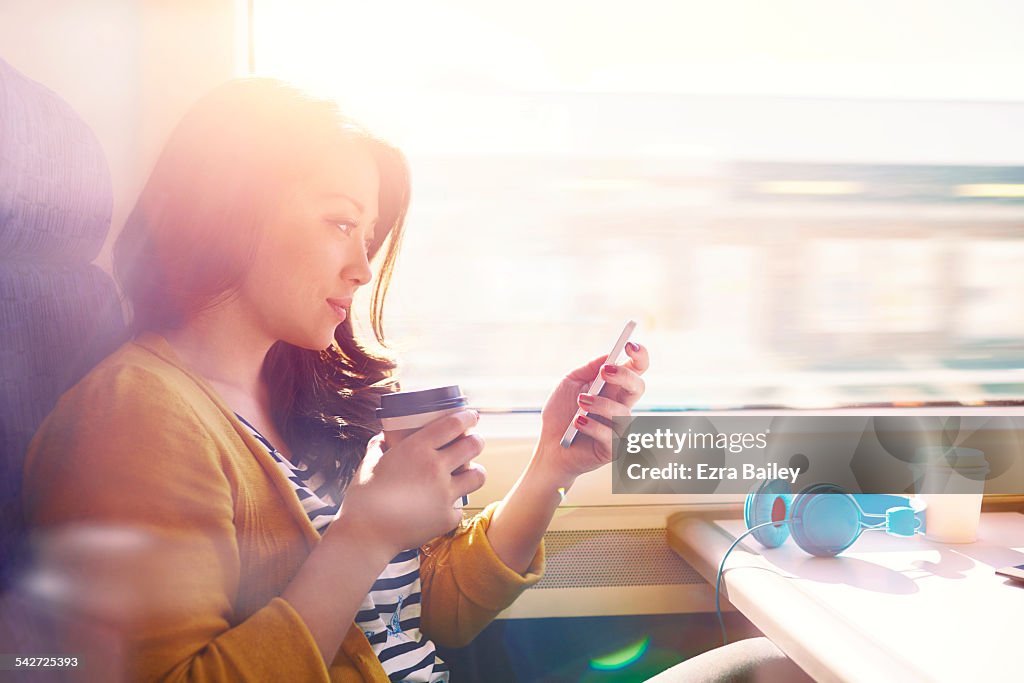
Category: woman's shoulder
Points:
column 131, row 427
column 135, row 417
column 132, row 372
column 137, row 387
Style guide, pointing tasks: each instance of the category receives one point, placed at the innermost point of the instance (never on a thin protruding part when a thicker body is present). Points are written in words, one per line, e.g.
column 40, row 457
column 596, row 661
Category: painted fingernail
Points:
column 633, row 346
column 582, row 421
column 586, row 400
column 610, row 369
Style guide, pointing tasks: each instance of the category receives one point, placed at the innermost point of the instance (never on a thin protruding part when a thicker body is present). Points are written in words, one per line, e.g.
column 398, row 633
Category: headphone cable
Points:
column 721, row 568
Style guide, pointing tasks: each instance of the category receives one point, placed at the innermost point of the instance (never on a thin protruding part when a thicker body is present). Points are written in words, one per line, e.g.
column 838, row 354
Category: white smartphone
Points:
column 598, row 383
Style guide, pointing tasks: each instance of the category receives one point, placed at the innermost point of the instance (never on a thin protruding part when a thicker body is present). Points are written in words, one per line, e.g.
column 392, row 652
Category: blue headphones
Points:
column 824, row 519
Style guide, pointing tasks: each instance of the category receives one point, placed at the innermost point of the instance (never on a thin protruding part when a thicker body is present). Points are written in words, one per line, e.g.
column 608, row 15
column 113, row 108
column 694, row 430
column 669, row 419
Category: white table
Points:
column 887, row 609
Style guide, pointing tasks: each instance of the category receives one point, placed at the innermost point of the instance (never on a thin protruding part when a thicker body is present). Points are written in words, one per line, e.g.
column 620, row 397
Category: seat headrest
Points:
column 56, row 196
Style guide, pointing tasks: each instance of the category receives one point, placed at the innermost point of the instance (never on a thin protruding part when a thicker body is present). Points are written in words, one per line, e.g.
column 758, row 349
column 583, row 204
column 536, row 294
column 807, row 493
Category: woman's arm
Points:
column 519, row 522
column 332, row 582
column 469, row 578
column 133, row 516
column 465, row 584
column 126, row 490
column 522, row 517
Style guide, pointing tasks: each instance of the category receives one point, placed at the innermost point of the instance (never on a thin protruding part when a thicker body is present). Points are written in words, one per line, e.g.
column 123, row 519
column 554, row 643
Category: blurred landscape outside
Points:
column 778, row 244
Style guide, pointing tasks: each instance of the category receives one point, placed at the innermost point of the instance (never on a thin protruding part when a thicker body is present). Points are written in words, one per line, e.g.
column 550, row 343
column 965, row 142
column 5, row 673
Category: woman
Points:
column 187, row 490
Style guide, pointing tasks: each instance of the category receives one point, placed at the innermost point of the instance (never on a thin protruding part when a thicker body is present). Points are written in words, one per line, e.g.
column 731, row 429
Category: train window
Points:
column 802, row 205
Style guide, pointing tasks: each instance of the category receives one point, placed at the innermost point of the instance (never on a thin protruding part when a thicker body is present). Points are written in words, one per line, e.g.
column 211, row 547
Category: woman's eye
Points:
column 345, row 226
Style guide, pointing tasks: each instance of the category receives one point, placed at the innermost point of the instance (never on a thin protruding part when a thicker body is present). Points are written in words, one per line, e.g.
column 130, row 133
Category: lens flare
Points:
column 620, row 659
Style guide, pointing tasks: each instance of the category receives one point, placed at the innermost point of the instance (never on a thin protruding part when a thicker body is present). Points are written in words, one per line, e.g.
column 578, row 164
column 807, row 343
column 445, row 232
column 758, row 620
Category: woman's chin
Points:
column 330, row 339
column 318, row 341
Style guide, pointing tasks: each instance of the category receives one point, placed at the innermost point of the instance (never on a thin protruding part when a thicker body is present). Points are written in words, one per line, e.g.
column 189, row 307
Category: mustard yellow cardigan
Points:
column 168, row 533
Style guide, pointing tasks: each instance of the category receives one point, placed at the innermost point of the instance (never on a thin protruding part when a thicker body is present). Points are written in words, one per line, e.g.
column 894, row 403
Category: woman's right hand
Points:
column 403, row 498
column 396, row 501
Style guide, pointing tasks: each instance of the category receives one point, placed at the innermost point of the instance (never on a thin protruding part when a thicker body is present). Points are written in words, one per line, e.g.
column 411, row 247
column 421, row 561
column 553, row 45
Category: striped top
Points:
column 390, row 613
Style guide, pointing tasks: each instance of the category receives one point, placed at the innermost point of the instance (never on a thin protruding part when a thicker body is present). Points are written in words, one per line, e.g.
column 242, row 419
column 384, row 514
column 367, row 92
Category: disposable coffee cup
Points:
column 952, row 485
column 405, row 413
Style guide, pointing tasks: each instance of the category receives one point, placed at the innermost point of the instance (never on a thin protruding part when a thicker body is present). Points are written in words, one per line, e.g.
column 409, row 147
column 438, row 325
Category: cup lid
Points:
column 425, row 401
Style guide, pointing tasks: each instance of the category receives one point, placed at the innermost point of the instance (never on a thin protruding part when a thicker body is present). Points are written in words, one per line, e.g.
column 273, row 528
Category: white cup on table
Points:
column 952, row 484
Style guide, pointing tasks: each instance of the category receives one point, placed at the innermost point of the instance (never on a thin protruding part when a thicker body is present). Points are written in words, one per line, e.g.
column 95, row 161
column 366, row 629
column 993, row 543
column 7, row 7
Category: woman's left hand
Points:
column 593, row 445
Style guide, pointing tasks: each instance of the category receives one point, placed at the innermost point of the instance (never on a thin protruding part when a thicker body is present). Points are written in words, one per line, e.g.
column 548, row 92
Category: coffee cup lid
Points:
column 416, row 402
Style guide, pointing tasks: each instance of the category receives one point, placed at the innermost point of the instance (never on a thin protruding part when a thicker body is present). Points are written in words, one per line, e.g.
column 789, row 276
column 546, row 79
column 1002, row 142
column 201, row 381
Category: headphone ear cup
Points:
column 769, row 501
column 825, row 520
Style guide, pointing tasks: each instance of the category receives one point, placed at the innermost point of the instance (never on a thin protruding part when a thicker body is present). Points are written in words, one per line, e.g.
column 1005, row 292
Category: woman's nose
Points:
column 359, row 270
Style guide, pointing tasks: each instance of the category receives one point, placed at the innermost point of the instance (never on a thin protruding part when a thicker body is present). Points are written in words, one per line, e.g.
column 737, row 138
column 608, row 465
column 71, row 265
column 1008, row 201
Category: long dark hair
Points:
column 193, row 233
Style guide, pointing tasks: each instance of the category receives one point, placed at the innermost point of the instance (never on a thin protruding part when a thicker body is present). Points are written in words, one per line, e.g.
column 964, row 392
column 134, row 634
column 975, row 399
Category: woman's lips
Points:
column 340, row 306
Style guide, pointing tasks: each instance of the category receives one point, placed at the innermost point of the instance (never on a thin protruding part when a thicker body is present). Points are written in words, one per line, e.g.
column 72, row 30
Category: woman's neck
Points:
column 228, row 355
column 232, row 368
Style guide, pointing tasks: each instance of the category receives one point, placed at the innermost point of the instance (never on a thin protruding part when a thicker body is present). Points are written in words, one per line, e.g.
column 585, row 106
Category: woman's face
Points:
column 312, row 257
